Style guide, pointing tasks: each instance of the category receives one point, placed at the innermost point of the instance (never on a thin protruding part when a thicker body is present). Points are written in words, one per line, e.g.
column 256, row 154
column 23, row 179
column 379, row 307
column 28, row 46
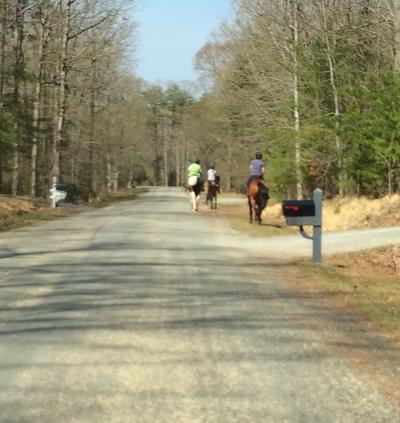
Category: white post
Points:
column 53, row 192
column 317, row 235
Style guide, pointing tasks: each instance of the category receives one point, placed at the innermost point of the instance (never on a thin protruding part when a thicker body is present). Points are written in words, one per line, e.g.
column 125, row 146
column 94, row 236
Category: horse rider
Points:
column 257, row 192
column 194, row 173
column 211, row 178
column 257, row 169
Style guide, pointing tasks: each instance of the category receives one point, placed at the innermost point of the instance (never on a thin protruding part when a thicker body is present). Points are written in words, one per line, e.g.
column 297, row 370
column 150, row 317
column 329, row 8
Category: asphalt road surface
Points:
column 147, row 312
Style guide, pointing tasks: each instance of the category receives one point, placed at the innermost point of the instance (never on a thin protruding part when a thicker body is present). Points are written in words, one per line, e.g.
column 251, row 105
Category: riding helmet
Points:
column 258, row 155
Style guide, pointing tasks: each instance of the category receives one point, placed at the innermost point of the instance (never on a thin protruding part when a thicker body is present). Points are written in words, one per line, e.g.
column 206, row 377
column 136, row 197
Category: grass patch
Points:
column 273, row 224
column 37, row 216
column 375, row 295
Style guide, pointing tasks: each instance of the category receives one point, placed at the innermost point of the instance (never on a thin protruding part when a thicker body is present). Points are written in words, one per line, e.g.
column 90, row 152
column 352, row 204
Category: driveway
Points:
column 146, row 312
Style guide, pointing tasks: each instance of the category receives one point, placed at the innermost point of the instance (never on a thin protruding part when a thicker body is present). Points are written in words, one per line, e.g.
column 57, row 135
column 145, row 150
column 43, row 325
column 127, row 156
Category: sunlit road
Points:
column 146, row 312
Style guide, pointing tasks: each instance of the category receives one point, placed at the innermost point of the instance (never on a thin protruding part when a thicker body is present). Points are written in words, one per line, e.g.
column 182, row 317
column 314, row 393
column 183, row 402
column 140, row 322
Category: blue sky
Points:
column 170, row 34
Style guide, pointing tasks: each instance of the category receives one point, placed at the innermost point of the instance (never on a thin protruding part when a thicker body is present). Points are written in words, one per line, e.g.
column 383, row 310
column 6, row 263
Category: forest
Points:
column 312, row 84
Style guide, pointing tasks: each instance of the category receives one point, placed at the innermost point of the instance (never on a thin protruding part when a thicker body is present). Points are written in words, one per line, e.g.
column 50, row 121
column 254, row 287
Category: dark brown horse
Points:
column 257, row 195
column 212, row 191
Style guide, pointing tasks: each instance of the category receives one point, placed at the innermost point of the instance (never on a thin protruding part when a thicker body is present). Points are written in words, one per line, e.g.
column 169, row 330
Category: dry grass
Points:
column 18, row 212
column 359, row 213
column 11, row 207
column 40, row 215
column 338, row 215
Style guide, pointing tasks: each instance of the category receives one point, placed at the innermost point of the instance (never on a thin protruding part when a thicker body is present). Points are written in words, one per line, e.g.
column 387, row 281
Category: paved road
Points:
column 143, row 312
column 332, row 242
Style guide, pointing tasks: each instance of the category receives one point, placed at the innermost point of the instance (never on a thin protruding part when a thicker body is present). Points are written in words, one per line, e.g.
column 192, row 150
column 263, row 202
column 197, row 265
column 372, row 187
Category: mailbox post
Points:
column 307, row 213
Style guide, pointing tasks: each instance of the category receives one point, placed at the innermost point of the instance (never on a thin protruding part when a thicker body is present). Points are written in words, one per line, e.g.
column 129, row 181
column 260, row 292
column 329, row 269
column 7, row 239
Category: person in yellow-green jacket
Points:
column 195, row 183
column 194, row 173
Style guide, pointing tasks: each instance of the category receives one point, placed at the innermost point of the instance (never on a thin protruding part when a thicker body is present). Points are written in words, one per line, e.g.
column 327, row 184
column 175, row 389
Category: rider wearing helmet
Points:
column 194, row 173
column 257, row 168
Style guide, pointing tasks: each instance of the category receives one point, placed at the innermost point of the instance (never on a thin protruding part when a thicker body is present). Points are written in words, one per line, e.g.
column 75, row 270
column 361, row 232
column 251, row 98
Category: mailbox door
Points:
column 298, row 208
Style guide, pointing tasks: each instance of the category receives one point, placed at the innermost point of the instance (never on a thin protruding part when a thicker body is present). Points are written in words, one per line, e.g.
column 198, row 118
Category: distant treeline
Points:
column 313, row 84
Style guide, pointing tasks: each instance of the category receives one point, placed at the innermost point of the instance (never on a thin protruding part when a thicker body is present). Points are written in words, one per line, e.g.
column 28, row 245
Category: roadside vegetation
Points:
column 19, row 212
column 367, row 282
column 339, row 214
column 313, row 85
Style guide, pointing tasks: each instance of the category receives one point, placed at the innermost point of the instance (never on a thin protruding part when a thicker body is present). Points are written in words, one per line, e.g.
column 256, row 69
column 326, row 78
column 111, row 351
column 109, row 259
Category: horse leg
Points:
column 215, row 201
column 193, row 200
column 250, row 211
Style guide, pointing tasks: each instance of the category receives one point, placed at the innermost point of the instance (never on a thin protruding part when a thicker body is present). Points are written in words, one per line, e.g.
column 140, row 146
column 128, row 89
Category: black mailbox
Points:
column 307, row 213
column 298, row 208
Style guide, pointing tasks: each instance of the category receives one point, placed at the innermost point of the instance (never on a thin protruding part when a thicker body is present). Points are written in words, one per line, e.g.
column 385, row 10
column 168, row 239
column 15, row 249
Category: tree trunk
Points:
column 93, row 164
column 166, row 168
column 156, row 141
column 177, row 159
column 36, row 102
column 396, row 26
column 3, row 50
column 108, row 170
column 296, row 109
column 61, row 80
column 332, row 80
column 18, row 84
column 229, row 173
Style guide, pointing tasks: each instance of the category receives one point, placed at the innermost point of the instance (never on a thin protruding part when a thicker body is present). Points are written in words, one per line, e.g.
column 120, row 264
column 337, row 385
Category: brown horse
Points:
column 212, row 191
column 257, row 195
